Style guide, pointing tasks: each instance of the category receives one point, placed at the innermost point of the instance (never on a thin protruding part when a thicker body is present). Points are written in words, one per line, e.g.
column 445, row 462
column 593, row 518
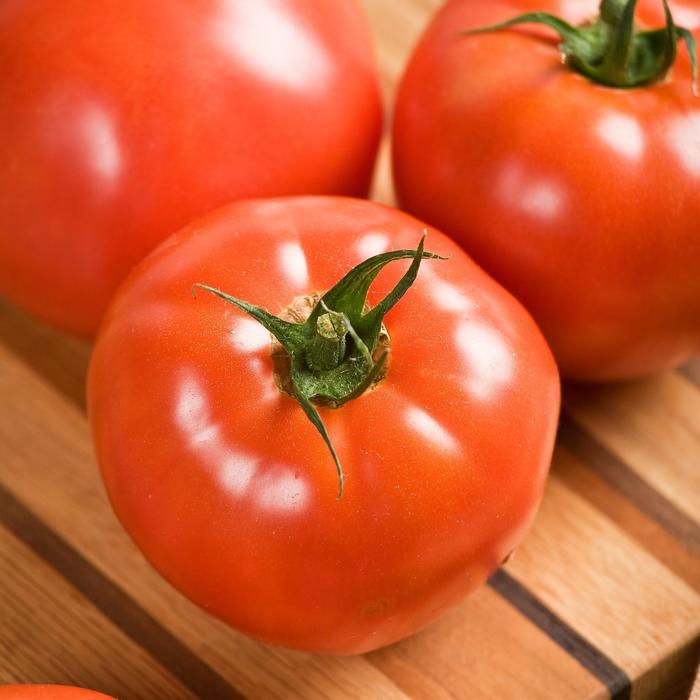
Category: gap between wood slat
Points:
column 61, row 359
column 646, row 531
column 107, row 597
column 591, row 658
column 630, row 484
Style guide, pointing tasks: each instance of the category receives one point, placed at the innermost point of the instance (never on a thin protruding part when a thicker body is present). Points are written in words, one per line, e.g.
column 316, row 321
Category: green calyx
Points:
column 611, row 50
column 332, row 352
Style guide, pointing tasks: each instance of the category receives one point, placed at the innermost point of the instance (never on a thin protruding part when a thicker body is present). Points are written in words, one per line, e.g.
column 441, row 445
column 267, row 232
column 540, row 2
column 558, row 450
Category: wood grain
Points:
column 602, row 600
column 135, row 622
column 485, row 648
column 628, row 502
column 574, row 553
column 652, row 426
column 50, row 632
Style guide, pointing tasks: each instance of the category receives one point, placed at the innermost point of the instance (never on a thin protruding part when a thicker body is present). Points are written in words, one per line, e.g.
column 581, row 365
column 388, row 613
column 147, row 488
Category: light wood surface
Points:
column 602, row 600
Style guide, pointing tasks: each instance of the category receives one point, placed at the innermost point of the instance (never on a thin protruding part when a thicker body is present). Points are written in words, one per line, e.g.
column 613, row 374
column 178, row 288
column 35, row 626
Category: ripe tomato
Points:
column 48, row 692
column 581, row 199
column 122, row 120
column 229, row 490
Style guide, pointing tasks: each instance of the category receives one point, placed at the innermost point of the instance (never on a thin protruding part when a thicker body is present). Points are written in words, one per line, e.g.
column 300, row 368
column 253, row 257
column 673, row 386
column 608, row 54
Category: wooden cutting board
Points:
column 602, row 600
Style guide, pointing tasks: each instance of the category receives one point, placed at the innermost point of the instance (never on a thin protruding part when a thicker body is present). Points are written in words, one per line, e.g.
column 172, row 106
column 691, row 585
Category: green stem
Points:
column 328, row 346
column 611, row 51
column 331, row 351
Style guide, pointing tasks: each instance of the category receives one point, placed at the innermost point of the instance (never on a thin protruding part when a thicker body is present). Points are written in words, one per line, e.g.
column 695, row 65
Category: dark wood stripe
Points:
column 113, row 602
column 586, row 482
column 590, row 657
column 60, row 359
column 691, row 371
column 630, row 484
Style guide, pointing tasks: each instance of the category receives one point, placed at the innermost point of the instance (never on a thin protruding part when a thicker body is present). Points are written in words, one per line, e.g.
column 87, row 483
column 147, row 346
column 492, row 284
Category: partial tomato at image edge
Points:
column 121, row 121
column 580, row 197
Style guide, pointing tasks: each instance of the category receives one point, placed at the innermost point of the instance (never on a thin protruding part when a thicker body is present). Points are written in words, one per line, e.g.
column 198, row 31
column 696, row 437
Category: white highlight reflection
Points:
column 271, row 42
column 576, row 12
column 235, row 469
column 430, row 429
column 372, row 244
column 623, row 134
column 266, row 385
column 282, row 491
column 684, row 139
column 293, row 262
column 446, row 295
column 192, row 414
column 489, row 362
column 541, row 198
column 249, row 336
column 101, row 143
column 685, row 16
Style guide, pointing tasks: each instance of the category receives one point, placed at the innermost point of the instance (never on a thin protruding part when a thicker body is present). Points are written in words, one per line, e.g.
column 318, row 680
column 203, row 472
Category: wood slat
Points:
column 132, row 620
column 633, row 486
column 607, row 587
column 60, row 358
column 485, row 648
column 639, row 515
column 652, row 426
column 51, row 633
column 397, row 27
column 614, row 677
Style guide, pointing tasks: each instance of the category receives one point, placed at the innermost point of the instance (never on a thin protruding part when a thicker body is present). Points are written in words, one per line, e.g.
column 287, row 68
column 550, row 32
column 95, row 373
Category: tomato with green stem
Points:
column 122, row 120
column 432, row 386
column 560, row 145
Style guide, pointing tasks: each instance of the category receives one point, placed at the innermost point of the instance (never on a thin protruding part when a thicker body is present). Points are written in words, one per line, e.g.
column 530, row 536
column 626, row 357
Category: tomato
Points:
column 581, row 199
column 229, row 490
column 122, row 120
column 48, row 692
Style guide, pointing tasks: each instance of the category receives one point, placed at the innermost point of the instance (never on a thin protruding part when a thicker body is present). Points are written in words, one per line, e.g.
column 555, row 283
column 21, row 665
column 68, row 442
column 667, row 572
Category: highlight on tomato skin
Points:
column 579, row 196
column 219, row 470
column 121, row 120
column 49, row 692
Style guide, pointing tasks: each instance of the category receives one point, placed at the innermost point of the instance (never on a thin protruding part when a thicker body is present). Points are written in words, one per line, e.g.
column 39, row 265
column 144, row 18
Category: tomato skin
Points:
column 120, row 121
column 48, row 692
column 580, row 199
column 231, row 493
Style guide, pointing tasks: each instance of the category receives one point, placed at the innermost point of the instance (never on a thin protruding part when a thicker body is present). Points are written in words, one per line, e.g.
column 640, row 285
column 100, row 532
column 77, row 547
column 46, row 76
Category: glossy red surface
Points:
column 581, row 199
column 229, row 490
column 121, row 120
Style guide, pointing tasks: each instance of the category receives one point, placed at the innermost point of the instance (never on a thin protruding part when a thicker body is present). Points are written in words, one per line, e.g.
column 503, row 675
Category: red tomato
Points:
column 121, row 120
column 48, row 692
column 229, row 490
column 581, row 199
